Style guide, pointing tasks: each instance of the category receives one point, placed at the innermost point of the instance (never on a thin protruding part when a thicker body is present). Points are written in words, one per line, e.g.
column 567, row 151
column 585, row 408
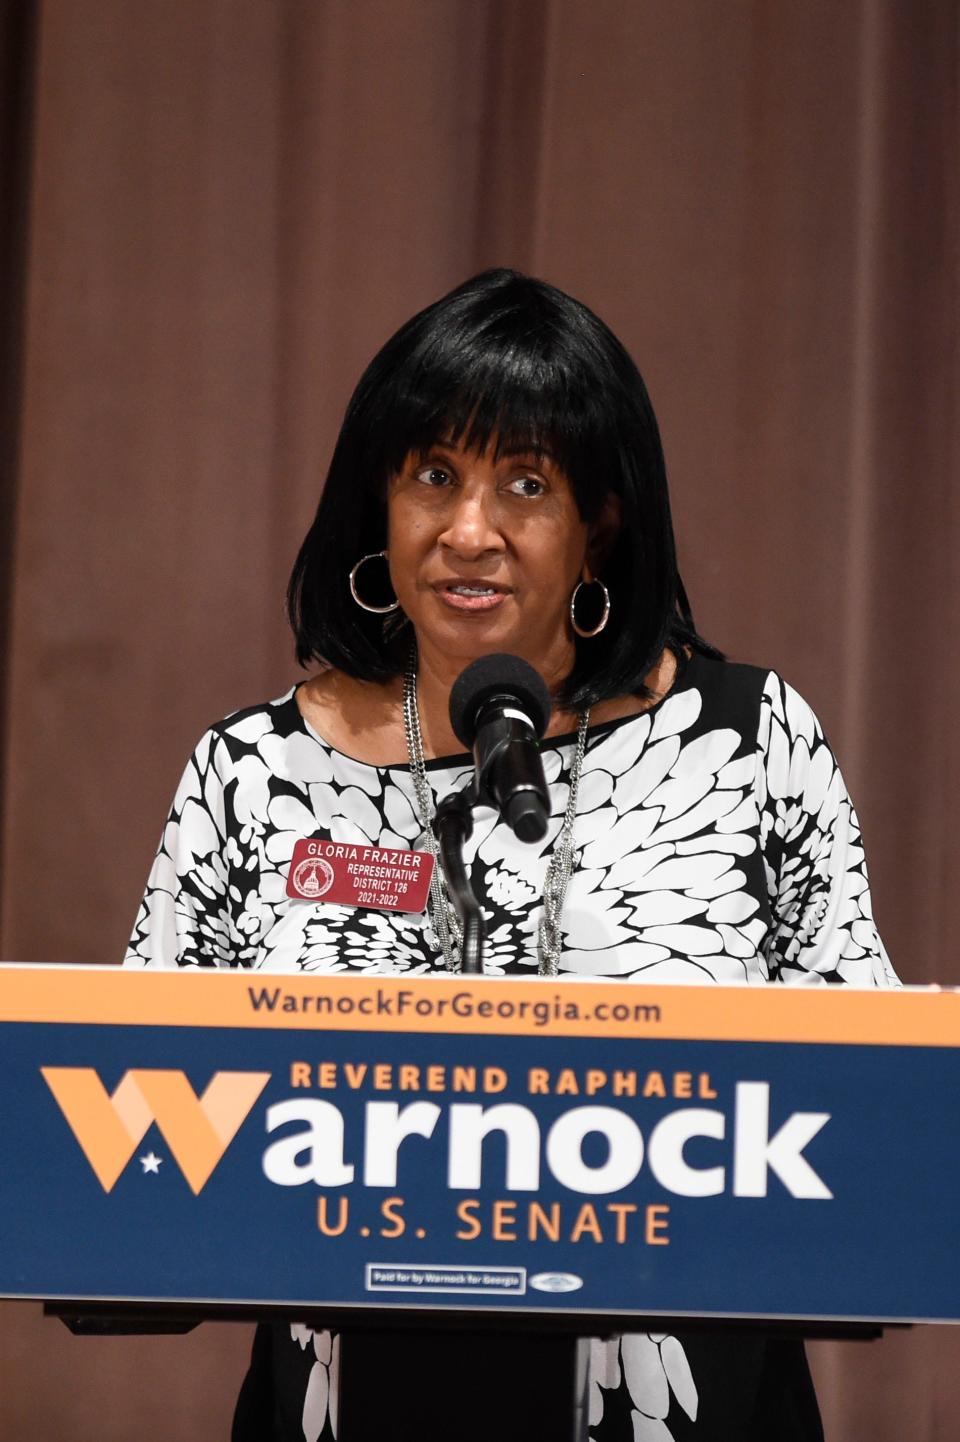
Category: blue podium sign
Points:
column 450, row 1143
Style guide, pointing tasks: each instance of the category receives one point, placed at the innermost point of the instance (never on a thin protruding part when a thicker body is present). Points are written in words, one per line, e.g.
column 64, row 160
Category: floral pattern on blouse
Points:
column 715, row 841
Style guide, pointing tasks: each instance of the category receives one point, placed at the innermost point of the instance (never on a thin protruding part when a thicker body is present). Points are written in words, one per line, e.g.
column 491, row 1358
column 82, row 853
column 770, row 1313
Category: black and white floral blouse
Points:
column 715, row 842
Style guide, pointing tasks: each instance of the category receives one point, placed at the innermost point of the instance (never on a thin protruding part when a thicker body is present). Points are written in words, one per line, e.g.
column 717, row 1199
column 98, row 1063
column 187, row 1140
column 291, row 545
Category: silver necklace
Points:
column 443, row 915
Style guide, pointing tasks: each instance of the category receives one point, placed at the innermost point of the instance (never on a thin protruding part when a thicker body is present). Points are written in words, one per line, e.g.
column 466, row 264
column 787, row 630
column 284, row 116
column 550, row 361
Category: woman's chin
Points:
column 455, row 646
column 454, row 635
column 470, row 633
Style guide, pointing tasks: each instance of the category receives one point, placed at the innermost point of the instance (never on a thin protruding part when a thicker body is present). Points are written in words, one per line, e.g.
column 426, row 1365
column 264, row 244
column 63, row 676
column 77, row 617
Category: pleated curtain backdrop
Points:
column 227, row 205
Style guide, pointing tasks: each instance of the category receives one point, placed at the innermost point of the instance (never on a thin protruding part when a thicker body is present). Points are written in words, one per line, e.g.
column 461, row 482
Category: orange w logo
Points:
column 198, row 1130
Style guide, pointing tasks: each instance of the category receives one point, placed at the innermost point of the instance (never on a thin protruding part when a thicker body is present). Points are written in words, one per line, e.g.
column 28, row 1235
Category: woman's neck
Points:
column 365, row 720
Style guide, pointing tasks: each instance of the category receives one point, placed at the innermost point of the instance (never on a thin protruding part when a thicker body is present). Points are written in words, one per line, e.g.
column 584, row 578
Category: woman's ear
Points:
column 603, row 534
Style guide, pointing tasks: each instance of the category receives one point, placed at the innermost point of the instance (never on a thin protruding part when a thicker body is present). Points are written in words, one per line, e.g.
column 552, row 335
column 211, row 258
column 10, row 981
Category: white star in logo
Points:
column 150, row 1163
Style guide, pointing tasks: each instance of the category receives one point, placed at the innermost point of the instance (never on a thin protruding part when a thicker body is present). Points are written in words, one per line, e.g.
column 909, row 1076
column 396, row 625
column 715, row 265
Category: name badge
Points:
column 347, row 875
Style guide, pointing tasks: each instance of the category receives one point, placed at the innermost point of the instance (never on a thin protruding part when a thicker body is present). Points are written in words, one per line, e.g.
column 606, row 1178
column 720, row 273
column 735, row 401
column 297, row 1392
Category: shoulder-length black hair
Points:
column 510, row 361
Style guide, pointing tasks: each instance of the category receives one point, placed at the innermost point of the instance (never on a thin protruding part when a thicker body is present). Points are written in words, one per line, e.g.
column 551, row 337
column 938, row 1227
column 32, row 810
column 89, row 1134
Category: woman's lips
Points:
column 470, row 595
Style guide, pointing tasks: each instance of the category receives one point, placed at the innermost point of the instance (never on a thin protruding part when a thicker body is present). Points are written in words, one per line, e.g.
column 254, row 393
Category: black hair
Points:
column 510, row 361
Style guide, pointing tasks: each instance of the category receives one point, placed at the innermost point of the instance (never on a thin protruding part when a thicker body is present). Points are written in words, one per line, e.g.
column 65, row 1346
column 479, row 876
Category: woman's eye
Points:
column 527, row 486
column 434, row 476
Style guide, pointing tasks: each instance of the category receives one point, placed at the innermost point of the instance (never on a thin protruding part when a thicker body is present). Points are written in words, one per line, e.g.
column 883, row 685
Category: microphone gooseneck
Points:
column 499, row 708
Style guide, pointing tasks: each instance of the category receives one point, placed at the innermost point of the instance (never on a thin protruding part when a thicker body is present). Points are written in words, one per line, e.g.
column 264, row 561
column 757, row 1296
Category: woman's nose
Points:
column 471, row 527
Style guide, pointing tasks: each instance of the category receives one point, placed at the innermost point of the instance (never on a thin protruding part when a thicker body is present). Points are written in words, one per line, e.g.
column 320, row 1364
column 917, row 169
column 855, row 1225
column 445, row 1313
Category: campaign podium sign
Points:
column 548, row 1148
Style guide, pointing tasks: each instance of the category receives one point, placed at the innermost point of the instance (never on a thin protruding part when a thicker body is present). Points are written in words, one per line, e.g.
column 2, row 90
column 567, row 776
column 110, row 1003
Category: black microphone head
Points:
column 497, row 675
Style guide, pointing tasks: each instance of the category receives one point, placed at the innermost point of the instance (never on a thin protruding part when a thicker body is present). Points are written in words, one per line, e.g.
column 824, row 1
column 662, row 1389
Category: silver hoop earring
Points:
column 573, row 609
column 364, row 606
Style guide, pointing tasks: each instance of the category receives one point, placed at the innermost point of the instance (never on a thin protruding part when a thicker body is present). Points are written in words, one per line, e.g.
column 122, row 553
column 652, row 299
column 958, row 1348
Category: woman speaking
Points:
column 498, row 486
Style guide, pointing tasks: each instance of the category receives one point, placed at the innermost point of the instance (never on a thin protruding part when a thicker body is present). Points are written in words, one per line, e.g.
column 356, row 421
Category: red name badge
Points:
column 347, row 875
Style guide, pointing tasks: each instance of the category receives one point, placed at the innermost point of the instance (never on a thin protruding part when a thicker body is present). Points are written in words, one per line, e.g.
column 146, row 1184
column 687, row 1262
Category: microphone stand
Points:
column 452, row 826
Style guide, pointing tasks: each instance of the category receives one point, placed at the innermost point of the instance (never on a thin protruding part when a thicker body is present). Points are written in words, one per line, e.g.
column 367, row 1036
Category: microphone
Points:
column 499, row 708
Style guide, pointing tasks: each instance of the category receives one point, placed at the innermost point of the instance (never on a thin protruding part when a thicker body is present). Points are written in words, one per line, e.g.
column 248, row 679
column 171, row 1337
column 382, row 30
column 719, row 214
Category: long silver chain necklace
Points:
column 443, row 915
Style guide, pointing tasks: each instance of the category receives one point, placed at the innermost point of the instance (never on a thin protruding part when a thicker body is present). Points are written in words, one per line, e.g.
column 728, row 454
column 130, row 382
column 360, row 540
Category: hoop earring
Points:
column 579, row 630
column 377, row 610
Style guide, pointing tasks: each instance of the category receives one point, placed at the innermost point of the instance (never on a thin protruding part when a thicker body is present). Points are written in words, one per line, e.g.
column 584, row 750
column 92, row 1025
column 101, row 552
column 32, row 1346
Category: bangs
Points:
column 488, row 392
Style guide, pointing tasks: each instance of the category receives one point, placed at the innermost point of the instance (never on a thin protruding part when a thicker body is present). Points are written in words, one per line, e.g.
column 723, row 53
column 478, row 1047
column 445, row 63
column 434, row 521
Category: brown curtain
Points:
column 17, row 32
column 233, row 202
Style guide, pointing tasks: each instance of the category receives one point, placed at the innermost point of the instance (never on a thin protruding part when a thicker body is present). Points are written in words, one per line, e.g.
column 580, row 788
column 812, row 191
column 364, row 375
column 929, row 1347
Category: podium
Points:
column 550, row 1157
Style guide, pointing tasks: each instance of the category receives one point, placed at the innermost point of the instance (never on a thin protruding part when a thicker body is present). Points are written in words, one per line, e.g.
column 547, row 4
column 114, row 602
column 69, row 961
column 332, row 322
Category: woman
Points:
column 498, row 485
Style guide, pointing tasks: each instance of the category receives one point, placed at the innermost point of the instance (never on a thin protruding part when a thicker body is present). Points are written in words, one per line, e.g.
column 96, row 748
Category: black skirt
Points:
column 434, row 1387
